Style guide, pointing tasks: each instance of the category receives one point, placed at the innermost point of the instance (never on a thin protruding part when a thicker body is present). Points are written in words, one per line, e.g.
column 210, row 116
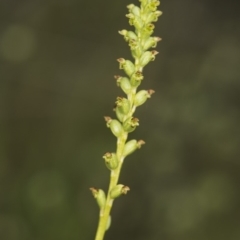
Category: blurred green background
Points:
column 57, row 61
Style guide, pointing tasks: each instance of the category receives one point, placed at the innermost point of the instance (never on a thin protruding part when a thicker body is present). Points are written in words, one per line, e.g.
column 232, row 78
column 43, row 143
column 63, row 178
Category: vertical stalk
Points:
column 105, row 212
column 140, row 41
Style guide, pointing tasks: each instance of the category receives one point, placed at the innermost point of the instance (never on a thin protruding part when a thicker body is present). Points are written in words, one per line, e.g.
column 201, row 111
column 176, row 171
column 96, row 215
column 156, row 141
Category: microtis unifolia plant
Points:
column 140, row 41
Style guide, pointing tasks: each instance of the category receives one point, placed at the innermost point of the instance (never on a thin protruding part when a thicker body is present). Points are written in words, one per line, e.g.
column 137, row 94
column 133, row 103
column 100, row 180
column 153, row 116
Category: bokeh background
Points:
column 57, row 61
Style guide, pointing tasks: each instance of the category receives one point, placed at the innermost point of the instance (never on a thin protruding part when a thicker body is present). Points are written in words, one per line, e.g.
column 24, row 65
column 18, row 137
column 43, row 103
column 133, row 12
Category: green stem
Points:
column 105, row 212
column 139, row 42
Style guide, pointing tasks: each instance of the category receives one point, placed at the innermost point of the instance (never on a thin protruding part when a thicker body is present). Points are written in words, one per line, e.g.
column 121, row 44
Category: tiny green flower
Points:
column 124, row 83
column 135, row 10
column 142, row 96
column 151, row 42
column 137, row 22
column 111, row 160
column 130, row 124
column 136, row 78
column 151, row 16
column 119, row 114
column 128, row 35
column 115, row 126
column 147, row 31
column 147, row 57
column 100, row 196
column 127, row 66
column 123, row 105
column 152, row 5
column 132, row 146
column 119, row 190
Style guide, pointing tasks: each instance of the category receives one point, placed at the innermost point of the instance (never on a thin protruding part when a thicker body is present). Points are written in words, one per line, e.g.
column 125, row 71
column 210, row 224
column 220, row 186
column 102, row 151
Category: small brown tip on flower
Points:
column 119, row 190
column 94, row 191
column 154, row 52
column 111, row 160
column 100, row 196
column 117, row 77
column 121, row 60
column 125, row 189
column 134, row 121
column 158, row 39
column 140, row 143
column 119, row 98
column 107, row 119
column 150, row 91
column 130, row 6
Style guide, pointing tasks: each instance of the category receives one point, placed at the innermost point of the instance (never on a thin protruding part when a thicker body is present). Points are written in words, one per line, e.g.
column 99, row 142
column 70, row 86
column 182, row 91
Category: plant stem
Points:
column 140, row 41
column 105, row 212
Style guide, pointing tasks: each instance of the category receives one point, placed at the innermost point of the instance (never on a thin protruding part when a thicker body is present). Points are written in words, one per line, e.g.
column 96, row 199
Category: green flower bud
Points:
column 131, row 18
column 132, row 35
column 127, row 66
column 151, row 42
column 142, row 96
column 130, row 124
column 147, row 31
column 136, row 49
column 124, row 83
column 123, row 105
column 119, row 114
column 100, row 197
column 133, row 45
column 124, row 33
column 131, row 146
column 143, row 3
column 115, row 126
column 119, row 190
column 152, row 6
column 147, row 57
column 136, row 79
column 137, row 22
column 111, row 160
column 153, row 16
column 134, row 9
column 128, row 35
